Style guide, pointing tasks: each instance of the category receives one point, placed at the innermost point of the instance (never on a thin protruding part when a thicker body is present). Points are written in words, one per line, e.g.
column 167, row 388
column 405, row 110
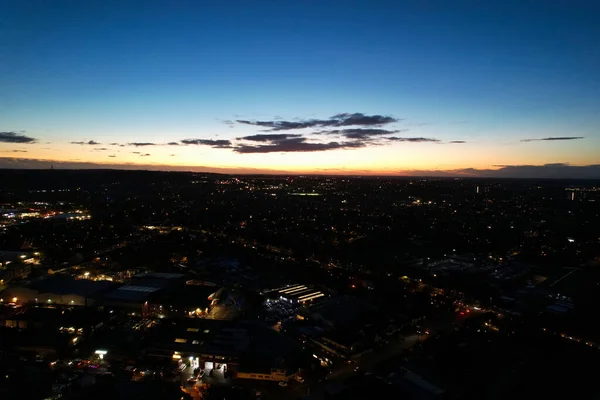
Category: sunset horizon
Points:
column 376, row 89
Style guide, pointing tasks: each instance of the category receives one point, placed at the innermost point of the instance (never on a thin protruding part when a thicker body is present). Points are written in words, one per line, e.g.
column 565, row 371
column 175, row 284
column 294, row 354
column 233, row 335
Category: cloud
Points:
column 145, row 155
column 218, row 144
column 269, row 138
column 112, row 155
column 136, row 152
column 171, row 155
column 100, row 148
column 338, row 120
column 75, row 164
column 141, row 144
column 19, row 151
column 173, row 144
column 91, row 143
column 457, row 141
column 14, row 137
column 114, row 144
column 413, row 139
column 554, row 138
column 294, row 145
column 416, row 124
column 546, row 171
column 357, row 133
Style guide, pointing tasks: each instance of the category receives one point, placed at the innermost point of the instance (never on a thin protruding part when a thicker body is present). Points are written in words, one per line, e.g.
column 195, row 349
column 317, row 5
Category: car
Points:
column 283, row 384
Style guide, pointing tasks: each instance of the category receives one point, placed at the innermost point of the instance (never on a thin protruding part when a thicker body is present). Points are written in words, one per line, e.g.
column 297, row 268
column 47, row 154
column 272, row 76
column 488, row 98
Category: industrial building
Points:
column 245, row 351
column 299, row 294
column 57, row 290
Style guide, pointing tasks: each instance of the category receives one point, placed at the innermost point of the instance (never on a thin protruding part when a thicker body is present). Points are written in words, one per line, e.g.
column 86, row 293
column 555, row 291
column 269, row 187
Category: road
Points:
column 367, row 362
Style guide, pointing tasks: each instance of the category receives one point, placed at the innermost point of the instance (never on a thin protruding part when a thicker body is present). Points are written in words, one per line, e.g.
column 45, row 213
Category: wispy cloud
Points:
column 296, row 145
column 554, row 138
column 101, row 148
column 14, row 137
column 91, row 143
column 358, row 133
column 338, row 120
column 417, row 124
column 219, row 144
column 141, row 144
column 112, row 155
column 457, row 141
column 413, row 139
column 269, row 138
column 173, row 144
column 19, row 151
column 146, row 155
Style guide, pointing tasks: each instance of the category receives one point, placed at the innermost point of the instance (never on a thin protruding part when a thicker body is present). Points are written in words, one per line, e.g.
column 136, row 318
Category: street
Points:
column 367, row 362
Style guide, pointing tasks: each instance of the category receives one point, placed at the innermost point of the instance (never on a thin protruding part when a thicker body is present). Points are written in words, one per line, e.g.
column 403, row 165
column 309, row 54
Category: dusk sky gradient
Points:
column 355, row 87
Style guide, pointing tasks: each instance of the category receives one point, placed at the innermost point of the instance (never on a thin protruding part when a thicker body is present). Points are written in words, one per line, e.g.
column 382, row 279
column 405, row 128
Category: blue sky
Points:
column 487, row 73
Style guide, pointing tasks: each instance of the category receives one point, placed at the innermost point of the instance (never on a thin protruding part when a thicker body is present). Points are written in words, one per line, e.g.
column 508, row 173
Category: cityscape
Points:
column 172, row 284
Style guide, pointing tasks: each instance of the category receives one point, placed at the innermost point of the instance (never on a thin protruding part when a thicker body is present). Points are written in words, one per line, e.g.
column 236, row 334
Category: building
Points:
column 57, row 290
column 162, row 295
column 244, row 351
column 299, row 294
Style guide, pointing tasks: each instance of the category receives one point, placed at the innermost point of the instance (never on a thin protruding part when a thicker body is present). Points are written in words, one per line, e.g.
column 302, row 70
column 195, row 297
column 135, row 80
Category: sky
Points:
column 427, row 87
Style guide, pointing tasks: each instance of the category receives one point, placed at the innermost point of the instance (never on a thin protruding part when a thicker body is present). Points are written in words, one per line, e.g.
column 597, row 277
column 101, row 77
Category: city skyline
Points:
column 507, row 89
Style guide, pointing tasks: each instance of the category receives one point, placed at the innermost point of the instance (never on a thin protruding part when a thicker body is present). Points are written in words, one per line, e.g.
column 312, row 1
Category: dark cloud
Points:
column 141, row 144
column 146, row 155
column 77, row 164
column 112, row 155
column 91, row 143
column 173, row 144
column 554, row 138
column 357, row 133
column 14, row 137
column 413, row 139
column 218, row 144
column 101, row 148
column 546, row 171
column 136, row 152
column 296, row 145
column 457, row 141
column 269, row 138
column 338, row 120
column 114, row 144
column 171, row 155
column 19, row 151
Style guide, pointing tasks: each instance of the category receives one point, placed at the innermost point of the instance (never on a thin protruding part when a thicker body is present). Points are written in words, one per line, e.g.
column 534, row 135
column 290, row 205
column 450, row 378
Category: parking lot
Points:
column 280, row 311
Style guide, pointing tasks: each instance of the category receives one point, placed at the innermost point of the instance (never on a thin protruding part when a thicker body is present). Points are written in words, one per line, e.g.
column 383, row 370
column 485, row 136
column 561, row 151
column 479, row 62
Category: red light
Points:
column 462, row 313
column 468, row 311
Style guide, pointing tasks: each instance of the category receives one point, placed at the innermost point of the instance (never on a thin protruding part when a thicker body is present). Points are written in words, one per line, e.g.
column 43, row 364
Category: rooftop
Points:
column 64, row 285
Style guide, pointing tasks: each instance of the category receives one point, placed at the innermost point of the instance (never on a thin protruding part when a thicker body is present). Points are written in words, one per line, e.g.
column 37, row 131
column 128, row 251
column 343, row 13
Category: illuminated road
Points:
column 370, row 360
